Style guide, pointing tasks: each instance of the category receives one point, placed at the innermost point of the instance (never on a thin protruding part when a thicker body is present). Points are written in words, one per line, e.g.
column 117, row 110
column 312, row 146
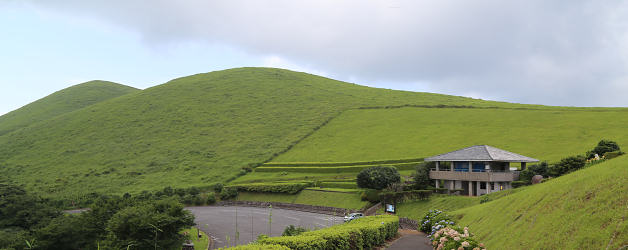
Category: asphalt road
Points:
column 411, row 239
column 220, row 222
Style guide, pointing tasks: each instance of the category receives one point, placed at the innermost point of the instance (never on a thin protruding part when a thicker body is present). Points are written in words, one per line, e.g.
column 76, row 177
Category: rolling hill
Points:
column 191, row 131
column 60, row 102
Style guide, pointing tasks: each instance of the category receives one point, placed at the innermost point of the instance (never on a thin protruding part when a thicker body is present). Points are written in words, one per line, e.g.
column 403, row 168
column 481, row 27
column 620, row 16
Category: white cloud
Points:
column 564, row 53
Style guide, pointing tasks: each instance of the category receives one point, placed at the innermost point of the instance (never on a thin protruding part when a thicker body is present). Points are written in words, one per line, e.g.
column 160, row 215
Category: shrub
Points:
column 211, row 198
column 337, row 184
column 422, row 175
column 218, row 187
column 378, row 177
column 371, row 195
column 603, row 147
column 536, row 169
column 484, row 199
column 400, row 196
column 567, row 165
column 228, row 192
column 611, row 155
column 516, row 184
column 292, row 231
column 363, row 233
column 454, row 238
column 435, row 220
column 290, row 188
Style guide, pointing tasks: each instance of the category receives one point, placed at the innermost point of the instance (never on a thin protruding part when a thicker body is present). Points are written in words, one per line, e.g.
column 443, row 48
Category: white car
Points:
column 353, row 216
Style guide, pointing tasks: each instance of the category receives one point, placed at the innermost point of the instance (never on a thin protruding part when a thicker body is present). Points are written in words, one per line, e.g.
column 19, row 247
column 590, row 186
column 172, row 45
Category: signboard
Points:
column 390, row 208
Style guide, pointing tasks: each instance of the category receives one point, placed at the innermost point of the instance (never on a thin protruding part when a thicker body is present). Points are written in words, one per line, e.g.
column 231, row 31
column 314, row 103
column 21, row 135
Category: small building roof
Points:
column 481, row 153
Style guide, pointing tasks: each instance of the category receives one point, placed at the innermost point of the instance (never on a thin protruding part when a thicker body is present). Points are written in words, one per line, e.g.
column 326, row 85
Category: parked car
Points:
column 353, row 216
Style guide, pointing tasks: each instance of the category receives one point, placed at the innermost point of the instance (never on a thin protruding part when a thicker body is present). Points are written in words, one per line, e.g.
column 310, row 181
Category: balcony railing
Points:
column 487, row 175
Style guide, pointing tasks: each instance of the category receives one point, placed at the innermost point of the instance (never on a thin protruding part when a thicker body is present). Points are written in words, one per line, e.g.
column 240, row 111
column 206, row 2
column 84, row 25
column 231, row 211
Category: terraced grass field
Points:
column 310, row 197
column 376, row 134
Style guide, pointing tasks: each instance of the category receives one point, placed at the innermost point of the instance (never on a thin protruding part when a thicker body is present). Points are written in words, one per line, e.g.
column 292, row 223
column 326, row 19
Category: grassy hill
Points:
column 548, row 133
column 587, row 209
column 60, row 102
column 191, row 131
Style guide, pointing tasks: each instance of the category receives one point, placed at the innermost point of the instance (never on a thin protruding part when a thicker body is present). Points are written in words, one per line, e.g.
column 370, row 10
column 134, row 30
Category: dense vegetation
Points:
column 378, row 177
column 27, row 221
column 191, row 131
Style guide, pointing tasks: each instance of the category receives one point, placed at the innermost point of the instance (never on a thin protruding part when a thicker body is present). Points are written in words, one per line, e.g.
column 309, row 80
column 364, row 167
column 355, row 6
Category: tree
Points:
column 422, row 175
column 567, row 165
column 604, row 146
column 378, row 177
column 536, row 169
column 22, row 210
column 150, row 224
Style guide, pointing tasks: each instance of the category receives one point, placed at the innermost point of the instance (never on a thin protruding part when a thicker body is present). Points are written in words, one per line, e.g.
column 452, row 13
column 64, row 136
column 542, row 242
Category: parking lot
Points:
column 220, row 222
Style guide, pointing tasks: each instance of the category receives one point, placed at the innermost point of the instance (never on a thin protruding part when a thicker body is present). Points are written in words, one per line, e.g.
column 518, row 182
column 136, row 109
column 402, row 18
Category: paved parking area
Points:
column 220, row 222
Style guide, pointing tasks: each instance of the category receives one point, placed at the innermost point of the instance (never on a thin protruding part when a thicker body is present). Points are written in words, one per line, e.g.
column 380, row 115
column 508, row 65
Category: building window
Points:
column 492, row 186
column 482, row 185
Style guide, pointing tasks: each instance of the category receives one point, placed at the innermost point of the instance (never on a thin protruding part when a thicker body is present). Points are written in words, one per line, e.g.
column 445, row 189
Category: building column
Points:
column 437, row 166
column 437, row 183
column 470, row 167
column 488, row 187
column 470, row 188
column 477, row 188
column 452, row 185
column 451, row 166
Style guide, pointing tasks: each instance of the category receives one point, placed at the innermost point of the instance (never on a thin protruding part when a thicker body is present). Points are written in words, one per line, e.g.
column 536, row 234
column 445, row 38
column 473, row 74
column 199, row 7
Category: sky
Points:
column 568, row 53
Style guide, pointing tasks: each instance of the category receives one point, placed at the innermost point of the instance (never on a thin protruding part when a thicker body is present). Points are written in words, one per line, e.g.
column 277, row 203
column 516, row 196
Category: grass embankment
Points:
column 309, row 197
column 375, row 134
column 192, row 131
column 587, row 209
column 201, row 243
column 62, row 101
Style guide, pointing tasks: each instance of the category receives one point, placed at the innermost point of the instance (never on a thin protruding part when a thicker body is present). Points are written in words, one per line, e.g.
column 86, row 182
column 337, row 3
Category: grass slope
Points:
column 376, row 134
column 191, row 131
column 587, row 209
column 62, row 101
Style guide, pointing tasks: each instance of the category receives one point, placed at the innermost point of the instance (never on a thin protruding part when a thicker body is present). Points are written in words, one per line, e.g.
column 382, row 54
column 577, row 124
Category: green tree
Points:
column 536, row 169
column 604, row 146
column 150, row 224
column 567, row 165
column 378, row 177
column 422, row 175
column 22, row 210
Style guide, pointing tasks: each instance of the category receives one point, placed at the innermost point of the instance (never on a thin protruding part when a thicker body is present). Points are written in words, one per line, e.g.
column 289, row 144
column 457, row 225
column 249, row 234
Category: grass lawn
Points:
column 199, row 244
column 309, row 197
column 377, row 134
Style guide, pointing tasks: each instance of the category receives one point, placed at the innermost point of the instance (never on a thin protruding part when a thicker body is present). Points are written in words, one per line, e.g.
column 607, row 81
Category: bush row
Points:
column 290, row 188
column 339, row 164
column 342, row 169
column 338, row 184
column 363, row 233
column 405, row 195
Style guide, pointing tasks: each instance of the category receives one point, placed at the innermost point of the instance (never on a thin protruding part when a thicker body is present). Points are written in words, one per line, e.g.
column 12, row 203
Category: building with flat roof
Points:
column 476, row 170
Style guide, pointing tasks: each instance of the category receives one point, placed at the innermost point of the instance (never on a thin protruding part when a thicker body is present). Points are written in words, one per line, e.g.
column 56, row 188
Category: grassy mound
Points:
column 191, row 131
column 587, row 209
column 375, row 134
column 60, row 102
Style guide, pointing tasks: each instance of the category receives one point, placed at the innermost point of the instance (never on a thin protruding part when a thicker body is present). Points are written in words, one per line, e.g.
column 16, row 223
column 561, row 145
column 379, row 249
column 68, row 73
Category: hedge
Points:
column 340, row 169
column 405, row 195
column 291, row 188
column 339, row 164
column 257, row 247
column 338, row 184
column 363, row 233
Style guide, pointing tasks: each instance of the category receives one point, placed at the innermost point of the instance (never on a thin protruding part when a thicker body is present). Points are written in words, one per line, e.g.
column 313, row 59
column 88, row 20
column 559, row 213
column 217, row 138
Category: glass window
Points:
column 461, row 166
column 482, row 185
column 478, row 166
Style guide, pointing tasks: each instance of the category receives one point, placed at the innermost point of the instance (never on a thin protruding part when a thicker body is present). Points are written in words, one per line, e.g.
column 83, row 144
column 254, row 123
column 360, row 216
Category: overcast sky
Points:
column 572, row 53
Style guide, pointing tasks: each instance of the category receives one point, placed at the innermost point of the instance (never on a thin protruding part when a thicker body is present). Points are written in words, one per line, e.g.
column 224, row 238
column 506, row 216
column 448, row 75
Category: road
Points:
column 410, row 239
column 220, row 222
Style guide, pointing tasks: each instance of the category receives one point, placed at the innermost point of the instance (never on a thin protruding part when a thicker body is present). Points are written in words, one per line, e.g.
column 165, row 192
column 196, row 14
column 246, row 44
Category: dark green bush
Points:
column 378, row 177
column 218, row 187
column 228, row 193
column 292, row 231
column 290, row 188
column 516, row 184
column 422, row 175
column 371, row 195
column 567, row 165
column 611, row 155
column 603, row 147
column 536, row 169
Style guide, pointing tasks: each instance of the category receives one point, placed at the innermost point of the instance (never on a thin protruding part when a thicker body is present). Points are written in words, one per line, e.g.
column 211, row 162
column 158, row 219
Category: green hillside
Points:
column 60, row 102
column 191, row 131
column 587, row 209
column 376, row 134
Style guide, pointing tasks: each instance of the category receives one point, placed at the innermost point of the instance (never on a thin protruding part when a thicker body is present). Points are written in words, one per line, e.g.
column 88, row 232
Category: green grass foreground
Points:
column 199, row 243
column 376, row 134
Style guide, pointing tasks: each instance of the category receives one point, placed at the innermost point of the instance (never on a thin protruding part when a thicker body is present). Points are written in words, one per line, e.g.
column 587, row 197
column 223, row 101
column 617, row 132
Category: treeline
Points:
column 30, row 222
